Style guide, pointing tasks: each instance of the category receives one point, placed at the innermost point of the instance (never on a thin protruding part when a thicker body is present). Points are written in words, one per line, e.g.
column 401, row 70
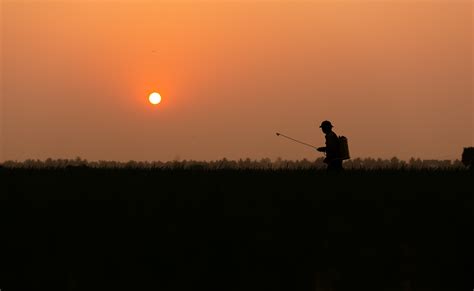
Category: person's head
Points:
column 326, row 126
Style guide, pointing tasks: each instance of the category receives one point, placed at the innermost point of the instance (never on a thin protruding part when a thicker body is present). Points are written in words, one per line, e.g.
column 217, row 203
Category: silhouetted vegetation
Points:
column 243, row 164
column 235, row 225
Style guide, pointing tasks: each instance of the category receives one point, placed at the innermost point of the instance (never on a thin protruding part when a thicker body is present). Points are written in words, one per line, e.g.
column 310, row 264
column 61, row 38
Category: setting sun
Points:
column 155, row 98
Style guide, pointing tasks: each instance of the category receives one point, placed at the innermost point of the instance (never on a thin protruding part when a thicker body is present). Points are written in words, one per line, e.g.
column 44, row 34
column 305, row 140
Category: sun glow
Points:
column 154, row 98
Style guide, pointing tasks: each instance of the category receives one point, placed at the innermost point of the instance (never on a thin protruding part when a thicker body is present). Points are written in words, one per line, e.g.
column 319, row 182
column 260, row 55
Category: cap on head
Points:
column 326, row 124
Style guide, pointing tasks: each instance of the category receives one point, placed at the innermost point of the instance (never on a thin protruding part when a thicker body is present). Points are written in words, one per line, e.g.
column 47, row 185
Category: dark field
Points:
column 129, row 229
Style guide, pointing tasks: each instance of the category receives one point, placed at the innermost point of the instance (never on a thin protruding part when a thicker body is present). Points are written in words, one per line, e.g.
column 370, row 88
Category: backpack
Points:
column 343, row 148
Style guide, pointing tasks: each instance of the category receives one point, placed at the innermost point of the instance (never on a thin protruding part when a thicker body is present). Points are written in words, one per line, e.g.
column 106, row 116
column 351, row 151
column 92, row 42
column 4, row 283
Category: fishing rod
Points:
column 298, row 141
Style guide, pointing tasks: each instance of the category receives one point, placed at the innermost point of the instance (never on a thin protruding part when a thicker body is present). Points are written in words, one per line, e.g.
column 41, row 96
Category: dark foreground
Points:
column 98, row 229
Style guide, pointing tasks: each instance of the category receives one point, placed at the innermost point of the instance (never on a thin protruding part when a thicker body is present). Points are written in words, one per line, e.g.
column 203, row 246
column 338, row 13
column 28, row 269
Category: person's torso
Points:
column 332, row 145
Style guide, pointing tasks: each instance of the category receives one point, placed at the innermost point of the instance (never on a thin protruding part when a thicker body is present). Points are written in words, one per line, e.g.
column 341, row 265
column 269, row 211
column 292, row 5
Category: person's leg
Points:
column 335, row 166
column 330, row 167
column 339, row 165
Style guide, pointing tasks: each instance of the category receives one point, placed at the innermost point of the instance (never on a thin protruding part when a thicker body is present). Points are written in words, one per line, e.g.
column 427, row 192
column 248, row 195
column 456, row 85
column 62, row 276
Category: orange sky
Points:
column 395, row 77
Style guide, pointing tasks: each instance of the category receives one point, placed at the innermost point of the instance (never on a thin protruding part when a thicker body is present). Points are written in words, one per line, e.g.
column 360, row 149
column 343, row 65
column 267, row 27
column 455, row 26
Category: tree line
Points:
column 261, row 164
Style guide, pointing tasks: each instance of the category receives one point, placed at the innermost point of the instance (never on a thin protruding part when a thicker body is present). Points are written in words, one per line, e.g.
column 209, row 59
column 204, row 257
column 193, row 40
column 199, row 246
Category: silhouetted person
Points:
column 331, row 149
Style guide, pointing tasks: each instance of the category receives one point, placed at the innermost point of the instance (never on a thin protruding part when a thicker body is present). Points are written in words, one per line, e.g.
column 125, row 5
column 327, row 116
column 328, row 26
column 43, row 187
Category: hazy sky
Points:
column 395, row 77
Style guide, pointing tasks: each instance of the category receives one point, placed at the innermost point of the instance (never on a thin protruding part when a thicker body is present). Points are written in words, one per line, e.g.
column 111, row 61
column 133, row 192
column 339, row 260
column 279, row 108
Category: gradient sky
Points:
column 395, row 77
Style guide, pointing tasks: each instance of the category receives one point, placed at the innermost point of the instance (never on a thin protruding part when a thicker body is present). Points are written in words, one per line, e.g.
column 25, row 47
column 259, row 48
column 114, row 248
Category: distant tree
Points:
column 357, row 163
column 457, row 164
column 394, row 163
column 265, row 163
column 403, row 164
column 319, row 163
column 415, row 163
